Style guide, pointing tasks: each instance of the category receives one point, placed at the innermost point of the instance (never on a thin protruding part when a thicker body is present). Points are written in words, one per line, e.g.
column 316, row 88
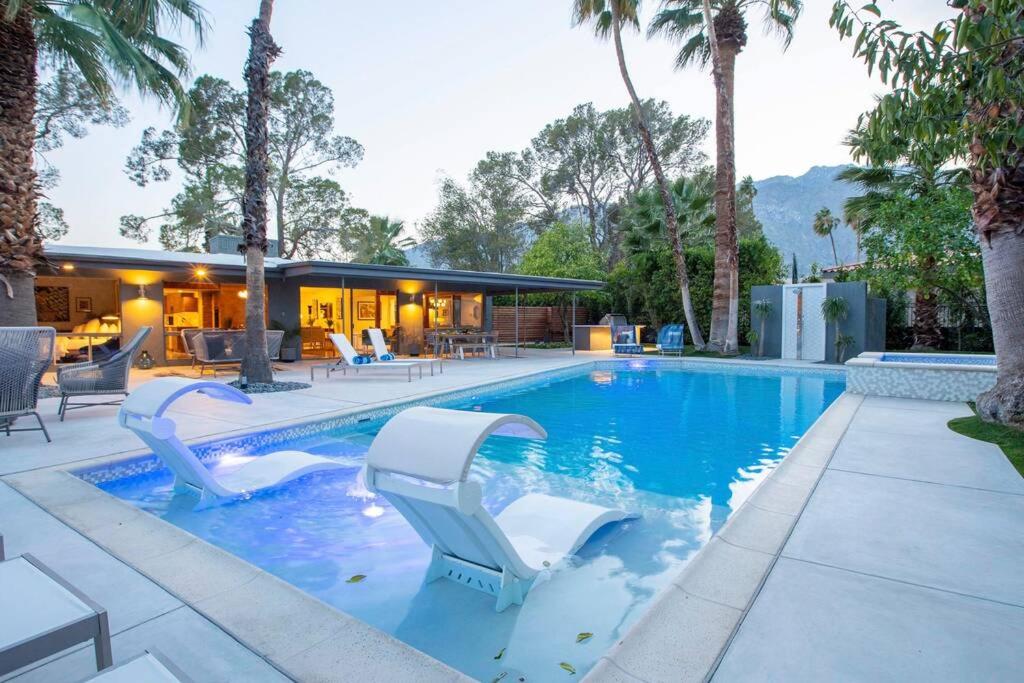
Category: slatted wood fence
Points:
column 536, row 323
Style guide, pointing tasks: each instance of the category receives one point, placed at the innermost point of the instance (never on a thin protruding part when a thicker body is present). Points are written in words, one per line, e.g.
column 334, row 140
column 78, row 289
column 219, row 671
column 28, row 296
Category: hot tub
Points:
column 934, row 376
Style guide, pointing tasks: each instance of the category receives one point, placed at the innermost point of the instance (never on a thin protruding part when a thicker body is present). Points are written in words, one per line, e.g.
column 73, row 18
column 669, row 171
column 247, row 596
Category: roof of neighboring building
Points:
column 843, row 268
column 150, row 259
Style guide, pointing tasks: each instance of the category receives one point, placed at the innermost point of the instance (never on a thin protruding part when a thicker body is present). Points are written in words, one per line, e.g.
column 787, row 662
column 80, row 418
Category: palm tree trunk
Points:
column 262, row 51
column 927, row 332
column 20, row 250
column 1003, row 257
column 723, row 309
column 835, row 255
column 671, row 220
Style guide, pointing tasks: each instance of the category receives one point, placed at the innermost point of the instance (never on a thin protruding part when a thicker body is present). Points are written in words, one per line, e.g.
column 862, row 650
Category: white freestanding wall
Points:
column 803, row 326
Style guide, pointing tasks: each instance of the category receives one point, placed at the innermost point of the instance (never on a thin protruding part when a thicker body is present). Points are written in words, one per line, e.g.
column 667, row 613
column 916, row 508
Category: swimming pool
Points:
column 682, row 444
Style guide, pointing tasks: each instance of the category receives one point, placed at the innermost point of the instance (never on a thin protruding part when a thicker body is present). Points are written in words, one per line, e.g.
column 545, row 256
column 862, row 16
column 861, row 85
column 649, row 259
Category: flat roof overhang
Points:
column 493, row 283
column 219, row 265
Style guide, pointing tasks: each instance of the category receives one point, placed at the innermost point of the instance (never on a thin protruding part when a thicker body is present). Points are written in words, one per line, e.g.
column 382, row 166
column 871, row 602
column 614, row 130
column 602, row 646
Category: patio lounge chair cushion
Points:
column 143, row 413
column 362, row 360
column 420, row 462
column 624, row 340
column 670, row 338
column 386, row 357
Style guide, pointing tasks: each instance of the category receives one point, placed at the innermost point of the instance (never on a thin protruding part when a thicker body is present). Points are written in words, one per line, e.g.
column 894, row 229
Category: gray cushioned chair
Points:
column 25, row 354
column 107, row 377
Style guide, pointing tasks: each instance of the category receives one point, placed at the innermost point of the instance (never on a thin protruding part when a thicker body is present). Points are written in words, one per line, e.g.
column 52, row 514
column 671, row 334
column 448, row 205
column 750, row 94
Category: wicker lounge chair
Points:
column 215, row 348
column 25, row 353
column 108, row 377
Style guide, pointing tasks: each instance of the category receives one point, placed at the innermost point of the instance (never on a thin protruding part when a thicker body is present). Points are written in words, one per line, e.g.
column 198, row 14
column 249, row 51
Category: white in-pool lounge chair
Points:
column 420, row 460
column 143, row 413
column 380, row 351
column 351, row 359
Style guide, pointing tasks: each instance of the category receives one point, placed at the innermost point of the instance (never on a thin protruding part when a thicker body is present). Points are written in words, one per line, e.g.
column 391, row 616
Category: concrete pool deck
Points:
column 895, row 555
column 853, row 560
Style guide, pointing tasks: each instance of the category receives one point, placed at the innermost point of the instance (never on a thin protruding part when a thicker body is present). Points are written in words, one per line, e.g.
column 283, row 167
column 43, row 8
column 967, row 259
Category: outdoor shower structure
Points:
column 796, row 329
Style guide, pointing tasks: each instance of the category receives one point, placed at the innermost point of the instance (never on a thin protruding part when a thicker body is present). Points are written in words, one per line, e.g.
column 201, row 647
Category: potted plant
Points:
column 763, row 309
column 835, row 309
column 291, row 346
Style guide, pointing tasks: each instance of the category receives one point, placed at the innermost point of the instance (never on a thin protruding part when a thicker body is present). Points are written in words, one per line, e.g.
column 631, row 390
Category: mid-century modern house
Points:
column 100, row 291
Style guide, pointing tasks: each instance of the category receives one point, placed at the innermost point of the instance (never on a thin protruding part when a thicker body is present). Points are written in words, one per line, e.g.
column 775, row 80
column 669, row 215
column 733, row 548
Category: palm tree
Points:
column 609, row 16
column 824, row 225
column 694, row 217
column 382, row 243
column 835, row 309
column 105, row 42
column 717, row 40
column 262, row 52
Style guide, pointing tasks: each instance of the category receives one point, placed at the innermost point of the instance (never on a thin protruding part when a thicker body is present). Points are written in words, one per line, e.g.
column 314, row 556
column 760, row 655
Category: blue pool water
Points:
column 940, row 358
column 683, row 448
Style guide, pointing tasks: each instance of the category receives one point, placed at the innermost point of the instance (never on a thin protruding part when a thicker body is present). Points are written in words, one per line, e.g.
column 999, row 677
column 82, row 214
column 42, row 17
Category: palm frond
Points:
column 120, row 43
column 780, row 17
column 684, row 23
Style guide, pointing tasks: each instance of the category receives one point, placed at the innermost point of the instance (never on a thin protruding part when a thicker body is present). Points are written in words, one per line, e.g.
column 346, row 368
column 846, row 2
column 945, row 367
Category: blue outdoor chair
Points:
column 624, row 341
column 670, row 339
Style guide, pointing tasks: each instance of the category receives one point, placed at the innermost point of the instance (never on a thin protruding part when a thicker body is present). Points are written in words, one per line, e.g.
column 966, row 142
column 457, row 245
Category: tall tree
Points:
column 747, row 224
column 824, row 224
column 301, row 126
column 957, row 93
column 481, row 226
column 262, row 52
column 106, row 43
column 565, row 251
column 210, row 153
column 715, row 31
column 609, row 16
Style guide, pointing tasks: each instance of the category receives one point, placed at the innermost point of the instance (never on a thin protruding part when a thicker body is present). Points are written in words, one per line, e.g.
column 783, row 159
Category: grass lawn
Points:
column 1009, row 439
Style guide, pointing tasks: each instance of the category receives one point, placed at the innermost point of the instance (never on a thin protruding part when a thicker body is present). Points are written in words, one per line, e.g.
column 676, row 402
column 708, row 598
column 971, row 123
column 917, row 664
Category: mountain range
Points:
column 785, row 205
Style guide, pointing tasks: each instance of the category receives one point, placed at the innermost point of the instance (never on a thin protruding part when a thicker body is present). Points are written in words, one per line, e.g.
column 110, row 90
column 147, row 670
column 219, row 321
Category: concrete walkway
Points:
column 904, row 565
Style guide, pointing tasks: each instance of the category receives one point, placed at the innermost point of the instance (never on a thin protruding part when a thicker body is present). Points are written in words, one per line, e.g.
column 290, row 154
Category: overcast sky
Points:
column 428, row 88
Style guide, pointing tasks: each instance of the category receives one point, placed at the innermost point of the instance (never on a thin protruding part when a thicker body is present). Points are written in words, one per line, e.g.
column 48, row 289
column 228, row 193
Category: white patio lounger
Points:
column 42, row 614
column 143, row 413
column 420, row 460
column 380, row 351
column 350, row 359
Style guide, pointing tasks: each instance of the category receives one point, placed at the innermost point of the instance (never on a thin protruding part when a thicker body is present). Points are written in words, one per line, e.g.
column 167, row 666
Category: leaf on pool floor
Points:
column 546, row 563
column 500, row 676
column 501, row 653
column 568, row 667
column 586, row 635
column 355, row 579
